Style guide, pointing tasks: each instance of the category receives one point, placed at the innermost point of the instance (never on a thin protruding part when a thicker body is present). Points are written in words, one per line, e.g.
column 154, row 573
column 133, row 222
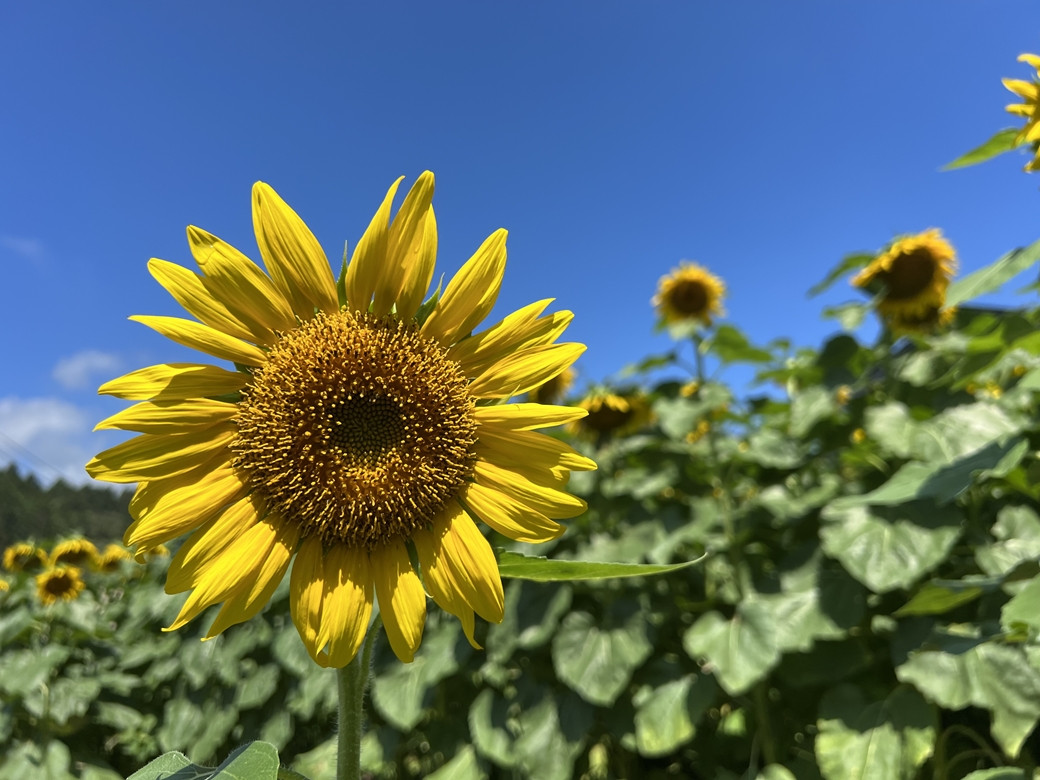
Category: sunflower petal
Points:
column 527, row 416
column 347, row 604
column 189, row 291
column 441, row 583
column 525, row 370
column 420, row 274
column 553, row 503
column 306, row 593
column 505, row 447
column 240, row 284
column 471, row 294
column 170, row 381
column 402, row 603
column 169, row 416
column 294, row 258
column 366, row 263
column 508, row 516
column 404, row 243
column 195, row 335
column 495, row 341
column 1029, row 90
column 151, row 456
column 472, row 561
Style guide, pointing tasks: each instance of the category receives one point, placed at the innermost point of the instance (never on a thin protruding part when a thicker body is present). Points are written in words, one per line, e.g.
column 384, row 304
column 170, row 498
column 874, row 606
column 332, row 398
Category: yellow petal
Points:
column 525, row 370
column 240, row 283
column 527, row 416
column 417, row 281
column 169, row 416
column 1029, row 90
column 471, row 294
column 472, row 562
column 369, row 256
column 169, row 381
column 1032, row 59
column 188, row 290
column 154, row 456
column 553, row 503
column 210, row 541
column 347, row 604
column 1032, row 132
column 247, row 602
column 306, row 593
column 505, row 447
column 404, row 242
column 293, row 256
column 509, row 517
column 495, row 339
column 402, row 602
column 441, row 583
column 1021, row 109
column 204, row 338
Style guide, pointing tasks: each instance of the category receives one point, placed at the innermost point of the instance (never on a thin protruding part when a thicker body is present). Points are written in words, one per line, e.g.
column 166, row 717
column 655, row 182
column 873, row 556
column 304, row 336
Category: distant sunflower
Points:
column 689, row 292
column 74, row 552
column 611, row 413
column 23, row 556
column 928, row 321
column 360, row 425
column 110, row 559
column 555, row 389
column 61, row 582
column 5, row 586
column 1029, row 91
column 914, row 273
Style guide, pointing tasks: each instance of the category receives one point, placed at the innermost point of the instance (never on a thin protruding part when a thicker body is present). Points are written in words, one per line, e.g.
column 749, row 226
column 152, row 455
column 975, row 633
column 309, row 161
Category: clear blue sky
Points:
column 762, row 139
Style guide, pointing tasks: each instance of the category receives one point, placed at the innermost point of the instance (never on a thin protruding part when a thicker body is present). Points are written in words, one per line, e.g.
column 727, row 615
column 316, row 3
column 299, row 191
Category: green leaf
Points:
column 993, row 276
column 874, row 740
column 740, row 651
column 730, row 345
column 773, row 449
column 595, row 656
column 941, row 596
column 666, row 715
column 1023, row 608
column 1000, row 773
column 25, row 670
column 849, row 315
column 848, row 263
column 1000, row 142
column 989, row 675
column 464, row 766
column 809, row 407
column 541, row 569
column 164, row 767
column 776, row 772
column 254, row 761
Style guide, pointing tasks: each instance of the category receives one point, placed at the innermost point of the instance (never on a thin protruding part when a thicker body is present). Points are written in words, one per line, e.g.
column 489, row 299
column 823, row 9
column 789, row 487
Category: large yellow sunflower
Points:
column 1029, row 91
column 361, row 432
column 60, row 582
column 23, row 556
column 689, row 292
column 913, row 275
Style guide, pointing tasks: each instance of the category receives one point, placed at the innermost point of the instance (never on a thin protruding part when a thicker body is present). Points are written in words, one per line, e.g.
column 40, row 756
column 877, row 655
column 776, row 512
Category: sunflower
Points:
column 59, row 582
column 555, row 389
column 928, row 321
column 611, row 414
column 23, row 556
column 5, row 586
column 361, row 434
column 74, row 552
column 689, row 292
column 1029, row 91
column 913, row 275
column 111, row 558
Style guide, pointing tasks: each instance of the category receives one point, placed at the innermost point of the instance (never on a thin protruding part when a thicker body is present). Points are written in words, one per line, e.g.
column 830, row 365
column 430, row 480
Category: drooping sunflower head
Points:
column 689, row 293
column 611, row 413
column 362, row 427
column 1029, row 109
column 111, row 558
column 23, row 556
column 932, row 319
column 912, row 275
column 63, row 583
column 555, row 389
column 74, row 552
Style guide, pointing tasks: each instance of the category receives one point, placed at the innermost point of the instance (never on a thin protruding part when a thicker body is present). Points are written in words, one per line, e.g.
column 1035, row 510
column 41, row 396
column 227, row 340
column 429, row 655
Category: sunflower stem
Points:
column 352, row 681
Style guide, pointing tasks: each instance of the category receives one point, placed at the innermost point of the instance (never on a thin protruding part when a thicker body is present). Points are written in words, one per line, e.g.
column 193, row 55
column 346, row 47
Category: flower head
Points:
column 112, row 557
column 23, row 556
column 359, row 426
column 689, row 292
column 1029, row 91
column 932, row 319
column 74, row 552
column 611, row 414
column 912, row 275
column 60, row 582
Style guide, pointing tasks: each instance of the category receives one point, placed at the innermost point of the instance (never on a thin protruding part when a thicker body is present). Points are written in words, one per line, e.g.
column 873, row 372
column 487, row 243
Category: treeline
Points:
column 28, row 511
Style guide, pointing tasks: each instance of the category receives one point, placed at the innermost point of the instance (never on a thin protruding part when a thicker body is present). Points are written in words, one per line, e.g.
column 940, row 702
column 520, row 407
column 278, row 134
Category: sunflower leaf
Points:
column 993, row 276
column 541, row 569
column 1000, row 142
column 848, row 263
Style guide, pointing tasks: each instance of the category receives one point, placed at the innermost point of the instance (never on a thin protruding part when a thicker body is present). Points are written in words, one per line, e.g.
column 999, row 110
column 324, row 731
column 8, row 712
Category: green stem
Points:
column 352, row 680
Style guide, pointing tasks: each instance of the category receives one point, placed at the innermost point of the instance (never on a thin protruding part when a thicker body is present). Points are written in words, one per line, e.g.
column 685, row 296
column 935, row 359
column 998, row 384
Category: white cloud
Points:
column 26, row 248
column 47, row 436
column 78, row 371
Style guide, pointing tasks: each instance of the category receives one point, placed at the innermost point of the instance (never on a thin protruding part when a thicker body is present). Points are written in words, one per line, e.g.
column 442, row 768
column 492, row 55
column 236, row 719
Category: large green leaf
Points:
column 848, row 263
column 809, row 407
column 740, row 651
column 993, row 276
column 1017, row 531
column 1024, row 608
column 1000, row 142
column 22, row 671
column 254, row 761
column 463, row 766
column 730, row 345
column 861, row 739
column 940, row 596
column 667, row 714
column 542, row 569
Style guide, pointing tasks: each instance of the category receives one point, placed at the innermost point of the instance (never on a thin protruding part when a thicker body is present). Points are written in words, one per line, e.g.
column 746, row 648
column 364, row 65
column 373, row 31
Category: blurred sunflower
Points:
column 611, row 414
column 361, row 426
column 1029, row 91
column 689, row 292
column 4, row 586
column 60, row 582
column 932, row 319
column 555, row 389
column 912, row 276
column 111, row 557
column 74, row 552
column 23, row 556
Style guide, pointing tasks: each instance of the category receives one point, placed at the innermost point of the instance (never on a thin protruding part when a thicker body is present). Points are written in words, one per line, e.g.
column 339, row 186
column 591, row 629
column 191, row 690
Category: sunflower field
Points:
column 792, row 562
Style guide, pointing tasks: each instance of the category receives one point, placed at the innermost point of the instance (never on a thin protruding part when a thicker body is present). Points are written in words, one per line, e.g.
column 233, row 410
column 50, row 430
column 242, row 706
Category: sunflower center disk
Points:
column 690, row 298
column 356, row 428
column 910, row 274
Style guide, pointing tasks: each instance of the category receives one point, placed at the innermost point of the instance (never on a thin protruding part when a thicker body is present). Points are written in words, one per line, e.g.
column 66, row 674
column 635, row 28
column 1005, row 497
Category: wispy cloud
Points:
column 27, row 248
column 46, row 435
column 82, row 369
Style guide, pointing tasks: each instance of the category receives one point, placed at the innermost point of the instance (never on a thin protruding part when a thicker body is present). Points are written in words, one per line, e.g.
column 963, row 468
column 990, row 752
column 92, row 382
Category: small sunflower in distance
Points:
column 688, row 293
column 74, row 552
column 59, row 582
column 360, row 425
column 1029, row 91
column 5, row 586
column 23, row 556
column 611, row 414
column 912, row 276
column 110, row 559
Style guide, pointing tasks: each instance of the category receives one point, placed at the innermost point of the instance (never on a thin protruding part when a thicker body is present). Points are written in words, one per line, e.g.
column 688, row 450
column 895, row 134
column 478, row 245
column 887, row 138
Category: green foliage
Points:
column 1000, row 142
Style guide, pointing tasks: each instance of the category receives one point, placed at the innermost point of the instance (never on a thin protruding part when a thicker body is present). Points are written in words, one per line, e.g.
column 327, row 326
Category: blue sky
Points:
column 762, row 139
